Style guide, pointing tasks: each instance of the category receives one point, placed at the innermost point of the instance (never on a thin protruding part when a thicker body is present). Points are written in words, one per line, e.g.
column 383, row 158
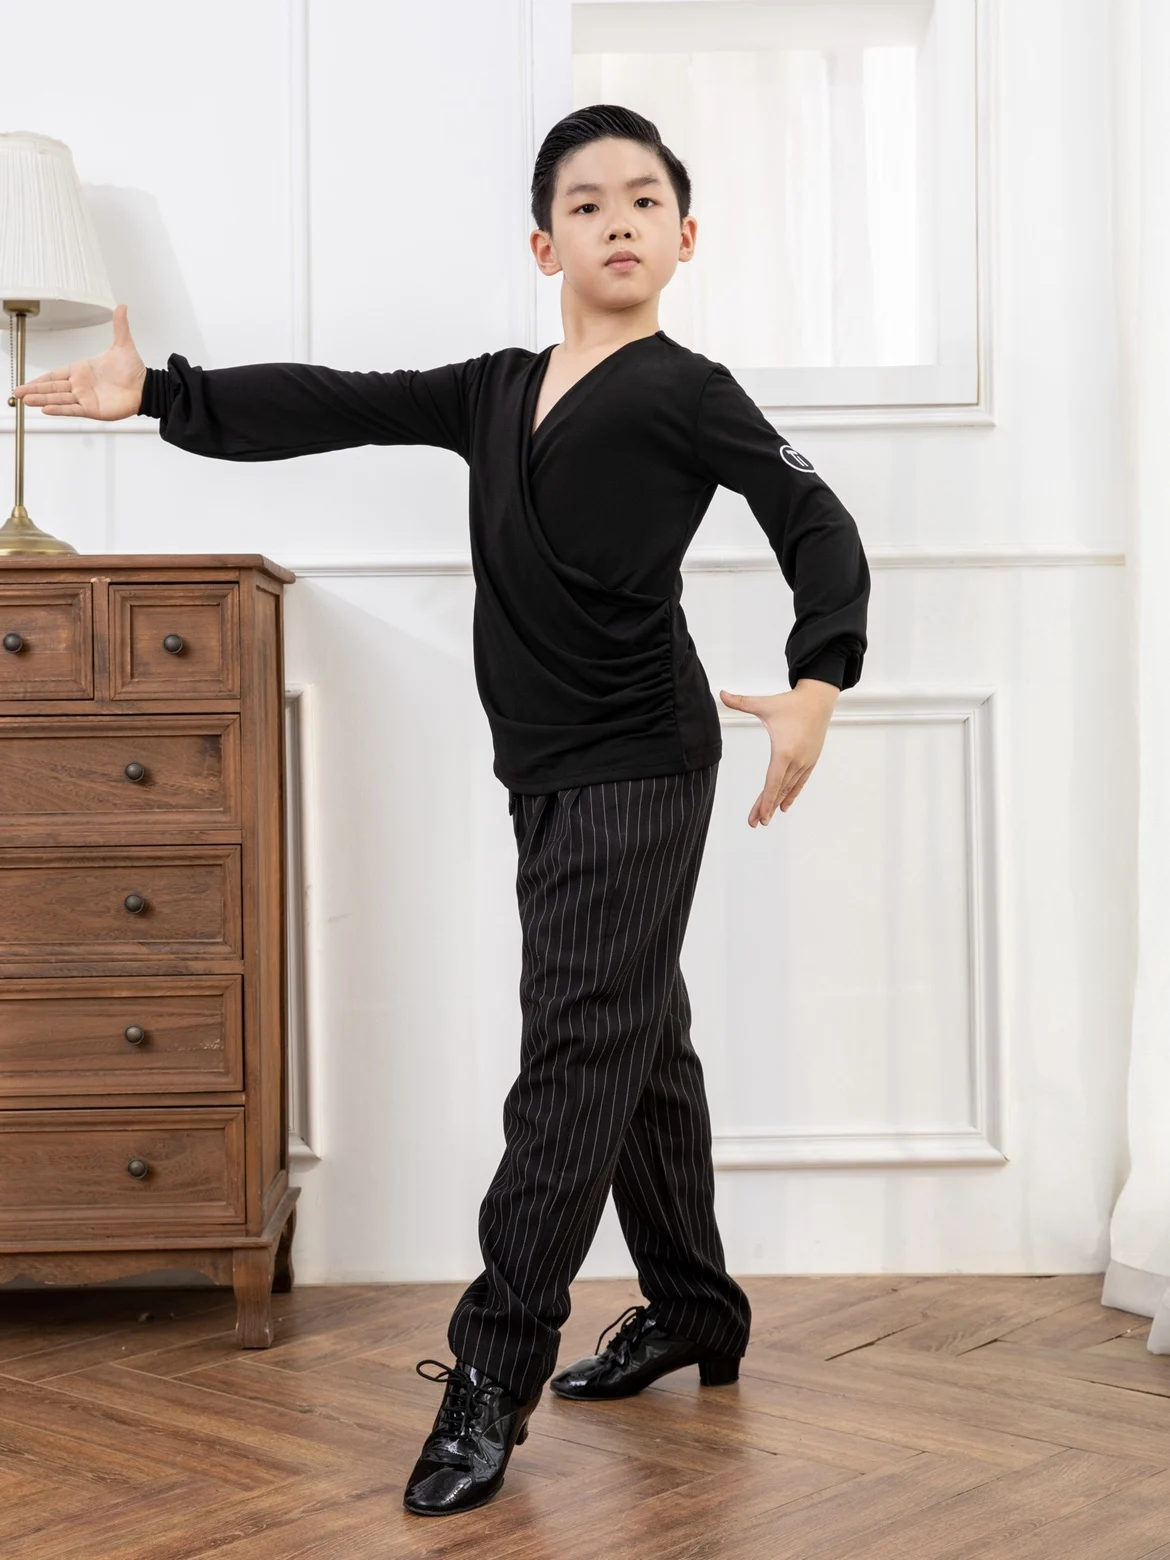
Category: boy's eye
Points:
column 583, row 204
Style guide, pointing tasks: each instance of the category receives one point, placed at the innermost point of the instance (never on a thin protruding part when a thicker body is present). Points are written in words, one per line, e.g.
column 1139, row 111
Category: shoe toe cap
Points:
column 591, row 1374
column 436, row 1486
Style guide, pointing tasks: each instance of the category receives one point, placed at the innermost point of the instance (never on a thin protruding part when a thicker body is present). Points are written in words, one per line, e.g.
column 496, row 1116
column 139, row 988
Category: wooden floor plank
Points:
column 30, row 1507
column 189, row 1521
column 812, row 1393
column 1143, row 1372
column 851, row 1322
column 1004, row 1384
column 60, row 1459
column 750, row 1509
column 1083, row 1325
column 103, row 1428
column 109, row 1530
column 752, row 1412
column 1001, row 1307
column 979, row 1521
column 283, row 1441
column 1121, row 1526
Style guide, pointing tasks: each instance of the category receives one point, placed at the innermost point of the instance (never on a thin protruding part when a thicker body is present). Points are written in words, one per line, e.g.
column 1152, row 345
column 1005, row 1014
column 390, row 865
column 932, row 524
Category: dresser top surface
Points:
column 90, row 563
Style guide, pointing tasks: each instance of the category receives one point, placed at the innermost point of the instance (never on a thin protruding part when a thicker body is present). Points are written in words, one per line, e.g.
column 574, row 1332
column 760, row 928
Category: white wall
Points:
column 925, row 965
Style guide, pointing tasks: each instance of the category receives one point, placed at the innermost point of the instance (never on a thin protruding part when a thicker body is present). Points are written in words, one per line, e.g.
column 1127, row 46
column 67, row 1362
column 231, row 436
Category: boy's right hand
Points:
column 108, row 387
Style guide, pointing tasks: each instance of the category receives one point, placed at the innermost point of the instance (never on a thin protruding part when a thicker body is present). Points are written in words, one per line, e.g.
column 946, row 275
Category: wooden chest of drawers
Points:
column 143, row 1114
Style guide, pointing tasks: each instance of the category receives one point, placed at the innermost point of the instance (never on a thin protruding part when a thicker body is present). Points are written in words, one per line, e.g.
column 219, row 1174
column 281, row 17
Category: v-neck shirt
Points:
column 583, row 659
column 540, row 373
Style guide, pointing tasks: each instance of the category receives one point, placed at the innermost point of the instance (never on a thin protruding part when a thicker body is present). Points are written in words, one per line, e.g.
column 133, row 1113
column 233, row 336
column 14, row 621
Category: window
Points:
column 831, row 146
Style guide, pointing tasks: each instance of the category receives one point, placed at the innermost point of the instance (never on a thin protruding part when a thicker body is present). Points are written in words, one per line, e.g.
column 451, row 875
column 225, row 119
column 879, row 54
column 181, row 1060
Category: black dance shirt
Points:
column 583, row 660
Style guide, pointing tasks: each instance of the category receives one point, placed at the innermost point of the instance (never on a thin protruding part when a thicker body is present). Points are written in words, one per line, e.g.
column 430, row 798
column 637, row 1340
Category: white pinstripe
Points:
column 610, row 1091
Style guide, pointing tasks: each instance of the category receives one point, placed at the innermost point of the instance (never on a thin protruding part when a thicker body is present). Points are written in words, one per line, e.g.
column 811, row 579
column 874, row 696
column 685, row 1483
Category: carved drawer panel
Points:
column 139, row 1168
column 124, row 901
column 136, row 1035
column 170, row 770
column 170, row 640
column 46, row 632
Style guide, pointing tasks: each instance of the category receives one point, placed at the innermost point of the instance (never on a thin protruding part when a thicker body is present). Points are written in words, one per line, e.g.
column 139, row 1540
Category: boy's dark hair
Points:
column 592, row 124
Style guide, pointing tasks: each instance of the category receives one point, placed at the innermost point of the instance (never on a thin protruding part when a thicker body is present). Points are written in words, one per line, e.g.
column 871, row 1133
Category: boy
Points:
column 591, row 463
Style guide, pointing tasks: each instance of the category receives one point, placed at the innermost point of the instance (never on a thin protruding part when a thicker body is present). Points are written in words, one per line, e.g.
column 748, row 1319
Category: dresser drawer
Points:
column 174, row 641
column 138, row 1035
column 131, row 901
column 98, row 1169
column 167, row 771
column 47, row 636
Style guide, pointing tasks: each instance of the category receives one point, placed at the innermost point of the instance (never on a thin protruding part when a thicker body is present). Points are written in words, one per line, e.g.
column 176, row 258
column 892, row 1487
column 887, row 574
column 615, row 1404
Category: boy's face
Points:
column 629, row 203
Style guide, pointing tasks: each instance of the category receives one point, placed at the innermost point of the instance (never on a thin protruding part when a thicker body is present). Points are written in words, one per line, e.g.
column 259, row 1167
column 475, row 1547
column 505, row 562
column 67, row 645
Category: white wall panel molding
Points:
column 303, row 862
column 300, row 239
column 532, row 134
column 978, row 1141
column 975, row 416
column 968, row 1143
column 746, row 560
column 849, row 1151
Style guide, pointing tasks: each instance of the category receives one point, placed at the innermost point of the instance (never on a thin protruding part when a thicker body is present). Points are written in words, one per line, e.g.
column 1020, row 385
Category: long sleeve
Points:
column 272, row 411
column 813, row 535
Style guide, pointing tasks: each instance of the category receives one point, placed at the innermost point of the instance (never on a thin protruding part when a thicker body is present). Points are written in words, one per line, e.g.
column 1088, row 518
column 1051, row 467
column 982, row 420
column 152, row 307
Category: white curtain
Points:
column 1138, row 1275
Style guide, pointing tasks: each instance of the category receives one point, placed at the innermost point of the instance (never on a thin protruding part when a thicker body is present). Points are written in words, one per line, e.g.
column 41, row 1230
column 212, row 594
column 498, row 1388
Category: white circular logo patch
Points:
column 793, row 458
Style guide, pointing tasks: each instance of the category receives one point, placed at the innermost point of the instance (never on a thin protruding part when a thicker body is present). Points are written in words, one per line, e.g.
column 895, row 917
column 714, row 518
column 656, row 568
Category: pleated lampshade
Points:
column 49, row 250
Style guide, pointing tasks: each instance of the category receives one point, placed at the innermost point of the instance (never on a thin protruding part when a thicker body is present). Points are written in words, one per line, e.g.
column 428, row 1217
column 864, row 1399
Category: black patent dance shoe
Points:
column 638, row 1355
column 463, row 1459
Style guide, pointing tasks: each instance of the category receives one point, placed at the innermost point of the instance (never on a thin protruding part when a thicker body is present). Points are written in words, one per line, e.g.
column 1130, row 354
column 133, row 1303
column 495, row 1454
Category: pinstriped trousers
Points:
column 610, row 1091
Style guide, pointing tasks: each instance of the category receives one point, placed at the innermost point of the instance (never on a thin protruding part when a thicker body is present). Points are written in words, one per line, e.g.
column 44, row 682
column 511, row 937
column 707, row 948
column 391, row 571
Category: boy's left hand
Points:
column 797, row 722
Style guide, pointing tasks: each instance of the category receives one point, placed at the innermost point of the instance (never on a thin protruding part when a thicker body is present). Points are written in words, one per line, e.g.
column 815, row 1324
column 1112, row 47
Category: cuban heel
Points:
column 719, row 1369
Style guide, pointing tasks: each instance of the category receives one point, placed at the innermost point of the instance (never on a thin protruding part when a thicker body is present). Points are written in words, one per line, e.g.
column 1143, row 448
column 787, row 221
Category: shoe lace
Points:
column 462, row 1397
column 619, row 1345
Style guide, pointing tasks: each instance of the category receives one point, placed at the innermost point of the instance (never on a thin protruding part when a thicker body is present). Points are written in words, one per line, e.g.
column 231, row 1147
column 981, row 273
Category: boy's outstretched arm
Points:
column 263, row 411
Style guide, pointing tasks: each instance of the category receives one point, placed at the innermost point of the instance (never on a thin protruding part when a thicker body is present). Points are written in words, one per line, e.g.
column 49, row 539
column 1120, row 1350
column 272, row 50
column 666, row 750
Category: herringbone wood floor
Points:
column 876, row 1418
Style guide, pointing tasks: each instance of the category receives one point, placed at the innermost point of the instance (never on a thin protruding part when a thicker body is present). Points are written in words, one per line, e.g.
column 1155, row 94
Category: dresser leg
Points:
column 284, row 1277
column 252, row 1282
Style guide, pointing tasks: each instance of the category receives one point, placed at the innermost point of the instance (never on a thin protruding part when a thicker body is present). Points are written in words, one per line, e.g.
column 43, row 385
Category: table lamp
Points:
column 52, row 277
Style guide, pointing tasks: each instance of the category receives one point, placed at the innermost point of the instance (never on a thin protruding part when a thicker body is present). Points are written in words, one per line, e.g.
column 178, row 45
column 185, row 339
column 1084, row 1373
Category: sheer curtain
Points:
column 1138, row 1275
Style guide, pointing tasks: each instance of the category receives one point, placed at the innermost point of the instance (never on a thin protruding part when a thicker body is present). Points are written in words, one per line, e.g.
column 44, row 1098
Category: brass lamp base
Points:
column 19, row 535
